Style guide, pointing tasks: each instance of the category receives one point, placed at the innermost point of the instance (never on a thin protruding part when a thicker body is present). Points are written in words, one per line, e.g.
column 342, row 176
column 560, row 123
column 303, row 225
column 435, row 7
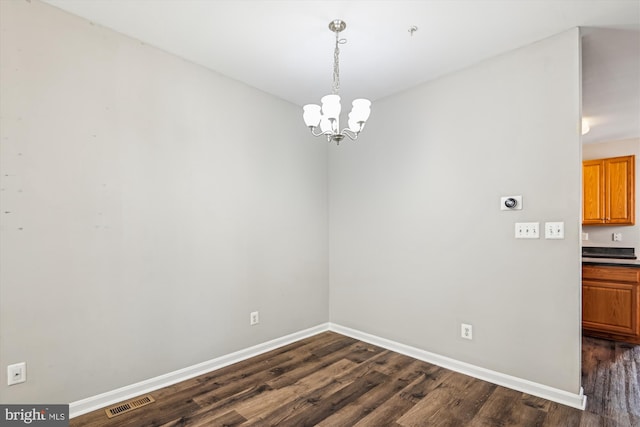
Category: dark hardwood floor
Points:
column 611, row 381
column 331, row 380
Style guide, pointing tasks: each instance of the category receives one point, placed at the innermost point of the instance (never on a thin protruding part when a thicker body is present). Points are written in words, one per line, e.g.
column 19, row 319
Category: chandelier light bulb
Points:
column 361, row 109
column 325, row 126
column 311, row 115
column 331, row 106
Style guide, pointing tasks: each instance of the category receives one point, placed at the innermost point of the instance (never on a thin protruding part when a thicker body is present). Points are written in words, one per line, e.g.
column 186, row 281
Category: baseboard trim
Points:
column 89, row 404
column 93, row 403
column 578, row 401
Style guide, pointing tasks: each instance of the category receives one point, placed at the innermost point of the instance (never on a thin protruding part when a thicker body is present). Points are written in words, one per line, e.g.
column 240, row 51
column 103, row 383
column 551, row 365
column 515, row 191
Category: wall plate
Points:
column 527, row 230
column 16, row 373
column 554, row 230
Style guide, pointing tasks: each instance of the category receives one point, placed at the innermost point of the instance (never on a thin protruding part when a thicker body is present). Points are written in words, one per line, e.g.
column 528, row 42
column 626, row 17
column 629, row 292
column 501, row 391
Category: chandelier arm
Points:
column 351, row 134
column 327, row 132
column 312, row 128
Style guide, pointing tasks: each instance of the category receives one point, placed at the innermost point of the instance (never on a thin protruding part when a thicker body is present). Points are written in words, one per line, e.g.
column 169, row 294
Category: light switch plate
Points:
column 527, row 230
column 554, row 230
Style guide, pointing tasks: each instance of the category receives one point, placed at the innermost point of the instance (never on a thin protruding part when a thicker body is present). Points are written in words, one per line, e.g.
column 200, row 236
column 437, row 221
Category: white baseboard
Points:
column 556, row 395
column 89, row 404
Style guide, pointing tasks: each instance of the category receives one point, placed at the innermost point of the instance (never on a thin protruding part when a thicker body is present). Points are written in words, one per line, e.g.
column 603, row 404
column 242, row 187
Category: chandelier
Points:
column 327, row 117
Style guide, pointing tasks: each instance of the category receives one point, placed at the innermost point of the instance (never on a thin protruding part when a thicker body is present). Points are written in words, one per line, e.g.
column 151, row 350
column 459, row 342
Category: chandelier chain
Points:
column 336, row 66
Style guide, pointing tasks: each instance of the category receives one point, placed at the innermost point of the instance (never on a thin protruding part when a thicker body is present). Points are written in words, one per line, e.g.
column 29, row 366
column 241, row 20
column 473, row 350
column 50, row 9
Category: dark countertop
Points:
column 608, row 252
column 635, row 263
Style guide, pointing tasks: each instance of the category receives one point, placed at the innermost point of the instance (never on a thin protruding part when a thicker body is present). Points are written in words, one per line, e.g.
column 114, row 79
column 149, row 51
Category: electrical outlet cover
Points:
column 466, row 331
column 254, row 318
column 16, row 373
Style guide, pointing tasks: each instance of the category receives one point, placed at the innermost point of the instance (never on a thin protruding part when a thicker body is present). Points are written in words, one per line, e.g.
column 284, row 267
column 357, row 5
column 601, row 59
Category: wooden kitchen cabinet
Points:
column 611, row 303
column 608, row 191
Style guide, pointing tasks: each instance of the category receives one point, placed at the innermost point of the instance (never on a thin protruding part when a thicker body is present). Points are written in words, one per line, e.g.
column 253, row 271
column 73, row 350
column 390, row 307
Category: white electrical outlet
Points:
column 527, row 230
column 466, row 331
column 616, row 237
column 16, row 373
column 585, row 236
column 254, row 318
column 554, row 230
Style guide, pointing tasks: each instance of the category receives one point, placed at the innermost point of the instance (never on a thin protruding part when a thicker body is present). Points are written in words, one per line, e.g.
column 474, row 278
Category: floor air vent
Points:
column 129, row 406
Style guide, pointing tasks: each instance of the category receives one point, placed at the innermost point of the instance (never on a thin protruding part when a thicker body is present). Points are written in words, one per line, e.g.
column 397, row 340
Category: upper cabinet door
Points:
column 608, row 191
column 593, row 192
column 620, row 202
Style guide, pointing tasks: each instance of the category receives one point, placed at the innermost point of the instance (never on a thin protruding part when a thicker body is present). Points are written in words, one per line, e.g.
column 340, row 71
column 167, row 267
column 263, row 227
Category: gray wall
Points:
column 153, row 203
column 418, row 244
column 602, row 235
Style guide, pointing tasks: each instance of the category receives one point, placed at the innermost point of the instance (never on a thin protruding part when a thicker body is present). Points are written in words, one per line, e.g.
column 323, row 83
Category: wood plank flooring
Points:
column 330, row 380
column 611, row 381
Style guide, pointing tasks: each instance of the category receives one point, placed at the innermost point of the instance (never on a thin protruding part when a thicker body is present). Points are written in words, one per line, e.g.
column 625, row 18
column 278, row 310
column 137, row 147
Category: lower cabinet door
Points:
column 610, row 307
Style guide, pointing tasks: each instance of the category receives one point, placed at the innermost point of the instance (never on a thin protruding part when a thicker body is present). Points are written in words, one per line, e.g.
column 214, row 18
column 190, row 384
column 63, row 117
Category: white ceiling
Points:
column 284, row 47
